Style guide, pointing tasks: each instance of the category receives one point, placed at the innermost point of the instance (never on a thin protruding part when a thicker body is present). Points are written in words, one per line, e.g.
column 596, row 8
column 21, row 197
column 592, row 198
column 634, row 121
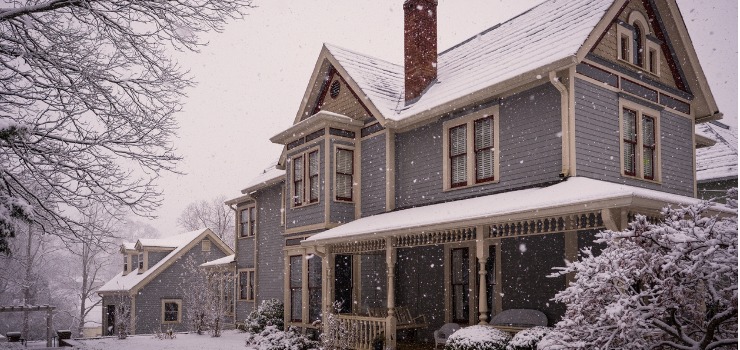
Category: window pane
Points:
column 296, row 271
column 243, row 285
column 170, row 312
column 458, row 140
column 648, row 157
column 344, row 186
column 252, row 220
column 637, row 45
column 313, row 163
column 314, row 183
column 298, row 168
column 629, row 158
column 250, row 296
column 483, row 133
column 296, row 304
column 344, row 161
column 629, row 122
column 458, row 170
column 648, row 131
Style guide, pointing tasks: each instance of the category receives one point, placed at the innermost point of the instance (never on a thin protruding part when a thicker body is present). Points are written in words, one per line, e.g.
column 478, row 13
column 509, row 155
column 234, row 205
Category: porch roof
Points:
column 572, row 195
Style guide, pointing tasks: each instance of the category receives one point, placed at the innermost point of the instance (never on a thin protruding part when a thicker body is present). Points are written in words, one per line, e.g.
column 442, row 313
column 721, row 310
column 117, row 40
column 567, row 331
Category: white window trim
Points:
column 652, row 46
column 205, row 245
column 472, row 281
column 655, row 114
column 179, row 310
column 492, row 111
column 335, row 149
column 142, row 261
column 306, row 181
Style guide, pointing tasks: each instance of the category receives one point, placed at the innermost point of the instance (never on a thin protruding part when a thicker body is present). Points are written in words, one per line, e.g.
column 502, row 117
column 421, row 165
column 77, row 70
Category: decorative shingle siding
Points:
column 373, row 170
column 529, row 142
column 169, row 284
column 345, row 103
column 270, row 242
column 526, row 262
column 597, row 142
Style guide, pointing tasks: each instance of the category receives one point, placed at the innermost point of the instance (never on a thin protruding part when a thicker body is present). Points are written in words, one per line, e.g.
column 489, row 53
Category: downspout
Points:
column 564, row 124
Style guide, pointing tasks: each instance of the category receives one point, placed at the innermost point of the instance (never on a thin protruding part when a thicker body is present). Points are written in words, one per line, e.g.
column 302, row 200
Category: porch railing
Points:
column 359, row 331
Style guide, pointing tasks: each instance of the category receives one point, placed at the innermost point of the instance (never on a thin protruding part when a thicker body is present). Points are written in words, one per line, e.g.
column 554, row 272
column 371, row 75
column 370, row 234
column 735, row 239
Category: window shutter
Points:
column 457, row 140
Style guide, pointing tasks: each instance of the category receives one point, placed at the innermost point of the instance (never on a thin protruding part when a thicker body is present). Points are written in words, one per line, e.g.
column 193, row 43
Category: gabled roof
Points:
column 182, row 243
column 551, row 36
column 575, row 193
column 717, row 162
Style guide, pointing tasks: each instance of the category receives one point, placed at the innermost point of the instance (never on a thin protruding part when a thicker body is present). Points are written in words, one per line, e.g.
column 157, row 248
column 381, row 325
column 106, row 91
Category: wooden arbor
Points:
column 49, row 316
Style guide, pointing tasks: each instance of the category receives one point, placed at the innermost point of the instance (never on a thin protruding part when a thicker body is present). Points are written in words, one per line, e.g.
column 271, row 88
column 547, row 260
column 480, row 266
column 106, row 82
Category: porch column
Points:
column 327, row 282
column 481, row 250
column 49, row 317
column 390, row 261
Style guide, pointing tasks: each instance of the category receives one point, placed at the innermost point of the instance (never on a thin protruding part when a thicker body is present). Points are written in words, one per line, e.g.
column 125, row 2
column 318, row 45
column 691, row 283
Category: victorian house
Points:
column 447, row 188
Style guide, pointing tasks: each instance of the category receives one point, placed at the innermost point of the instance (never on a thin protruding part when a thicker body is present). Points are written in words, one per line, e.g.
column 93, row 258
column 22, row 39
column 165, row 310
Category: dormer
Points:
column 152, row 251
column 128, row 251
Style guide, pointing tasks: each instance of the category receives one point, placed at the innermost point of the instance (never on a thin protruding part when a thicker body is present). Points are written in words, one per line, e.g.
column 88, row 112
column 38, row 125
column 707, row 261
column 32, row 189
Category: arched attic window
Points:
column 637, row 46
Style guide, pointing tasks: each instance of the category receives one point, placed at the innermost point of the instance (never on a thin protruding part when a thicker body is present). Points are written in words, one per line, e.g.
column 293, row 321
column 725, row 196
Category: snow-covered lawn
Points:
column 229, row 340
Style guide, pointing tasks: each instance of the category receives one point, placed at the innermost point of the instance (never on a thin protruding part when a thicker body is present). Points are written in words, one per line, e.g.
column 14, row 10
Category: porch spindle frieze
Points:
column 553, row 224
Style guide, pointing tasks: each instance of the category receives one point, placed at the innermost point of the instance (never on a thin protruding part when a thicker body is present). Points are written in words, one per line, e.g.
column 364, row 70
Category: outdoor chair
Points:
column 444, row 332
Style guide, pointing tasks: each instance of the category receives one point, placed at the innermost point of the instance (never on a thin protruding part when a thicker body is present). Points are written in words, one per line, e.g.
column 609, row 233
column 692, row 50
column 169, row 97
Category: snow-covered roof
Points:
column 717, row 162
column 544, row 35
column 126, row 282
column 576, row 191
column 268, row 176
column 128, row 245
column 222, row 261
column 168, row 242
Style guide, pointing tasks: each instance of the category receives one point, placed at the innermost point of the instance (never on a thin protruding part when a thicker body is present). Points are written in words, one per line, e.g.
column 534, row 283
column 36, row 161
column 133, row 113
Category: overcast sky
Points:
column 252, row 76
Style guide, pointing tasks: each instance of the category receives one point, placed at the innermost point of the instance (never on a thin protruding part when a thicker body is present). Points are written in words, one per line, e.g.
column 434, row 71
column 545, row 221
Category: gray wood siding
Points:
column 420, row 286
column 306, row 214
column 270, row 242
column 525, row 263
column 169, row 284
column 597, row 142
column 155, row 257
column 372, row 184
column 245, row 251
column 339, row 212
column 530, row 151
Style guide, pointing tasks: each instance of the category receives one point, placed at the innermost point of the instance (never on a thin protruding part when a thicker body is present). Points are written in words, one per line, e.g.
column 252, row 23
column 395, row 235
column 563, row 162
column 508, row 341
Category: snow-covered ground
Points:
column 230, row 340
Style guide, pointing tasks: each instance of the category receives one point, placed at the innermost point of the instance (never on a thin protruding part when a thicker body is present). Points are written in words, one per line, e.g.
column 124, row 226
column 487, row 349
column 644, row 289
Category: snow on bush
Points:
column 478, row 338
column 528, row 338
column 272, row 338
column 671, row 284
column 269, row 313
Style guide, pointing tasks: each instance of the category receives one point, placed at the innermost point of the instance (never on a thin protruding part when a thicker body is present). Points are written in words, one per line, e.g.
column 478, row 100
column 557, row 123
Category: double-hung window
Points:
column 246, row 284
column 298, row 181
column 313, row 177
column 639, row 144
column 247, row 222
column 306, row 180
column 171, row 310
column 344, row 172
column 471, row 154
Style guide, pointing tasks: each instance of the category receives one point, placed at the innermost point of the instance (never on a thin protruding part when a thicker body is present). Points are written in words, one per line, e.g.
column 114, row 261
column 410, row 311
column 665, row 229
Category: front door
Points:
column 110, row 312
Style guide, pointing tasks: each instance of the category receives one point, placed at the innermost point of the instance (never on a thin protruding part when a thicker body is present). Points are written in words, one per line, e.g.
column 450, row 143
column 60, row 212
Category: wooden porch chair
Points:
column 404, row 320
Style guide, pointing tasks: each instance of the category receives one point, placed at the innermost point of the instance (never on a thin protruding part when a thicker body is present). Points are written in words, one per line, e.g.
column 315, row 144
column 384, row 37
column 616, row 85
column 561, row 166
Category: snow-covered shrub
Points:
column 268, row 313
column 271, row 338
column 528, row 339
column 670, row 284
column 336, row 333
column 478, row 338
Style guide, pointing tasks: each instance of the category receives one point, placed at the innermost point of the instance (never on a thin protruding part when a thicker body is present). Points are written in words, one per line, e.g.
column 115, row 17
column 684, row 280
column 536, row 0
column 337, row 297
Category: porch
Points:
column 468, row 260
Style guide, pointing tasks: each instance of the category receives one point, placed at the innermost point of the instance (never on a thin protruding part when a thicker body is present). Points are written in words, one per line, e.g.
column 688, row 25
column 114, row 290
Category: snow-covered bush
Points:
column 478, row 338
column 336, row 333
column 268, row 313
column 272, row 338
column 528, row 339
column 671, row 284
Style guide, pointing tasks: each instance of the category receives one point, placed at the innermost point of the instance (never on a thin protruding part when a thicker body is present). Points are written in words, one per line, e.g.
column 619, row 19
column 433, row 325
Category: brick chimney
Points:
column 420, row 46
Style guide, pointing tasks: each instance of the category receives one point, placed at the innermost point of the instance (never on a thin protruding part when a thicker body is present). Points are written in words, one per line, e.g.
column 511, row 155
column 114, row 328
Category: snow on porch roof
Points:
column 576, row 191
column 717, row 162
column 543, row 35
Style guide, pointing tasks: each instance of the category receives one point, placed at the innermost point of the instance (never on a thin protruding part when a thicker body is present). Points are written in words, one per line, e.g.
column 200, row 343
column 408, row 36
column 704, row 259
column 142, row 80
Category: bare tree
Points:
column 88, row 96
column 212, row 214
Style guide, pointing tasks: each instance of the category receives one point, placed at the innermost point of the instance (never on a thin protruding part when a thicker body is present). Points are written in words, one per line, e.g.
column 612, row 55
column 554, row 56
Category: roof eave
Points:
column 317, row 121
column 261, row 185
column 491, row 91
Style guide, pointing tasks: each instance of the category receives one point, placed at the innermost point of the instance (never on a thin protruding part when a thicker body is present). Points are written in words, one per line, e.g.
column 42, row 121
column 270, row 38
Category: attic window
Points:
column 334, row 89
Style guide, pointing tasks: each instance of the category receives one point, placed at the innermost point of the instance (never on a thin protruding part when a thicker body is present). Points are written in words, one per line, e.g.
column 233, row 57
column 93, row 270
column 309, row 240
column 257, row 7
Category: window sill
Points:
column 657, row 182
column 451, row 189
column 343, row 201
column 245, row 237
column 171, row 322
column 306, row 204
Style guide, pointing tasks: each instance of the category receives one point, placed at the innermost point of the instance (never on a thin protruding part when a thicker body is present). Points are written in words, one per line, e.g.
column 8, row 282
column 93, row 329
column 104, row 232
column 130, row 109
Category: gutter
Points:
column 708, row 118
